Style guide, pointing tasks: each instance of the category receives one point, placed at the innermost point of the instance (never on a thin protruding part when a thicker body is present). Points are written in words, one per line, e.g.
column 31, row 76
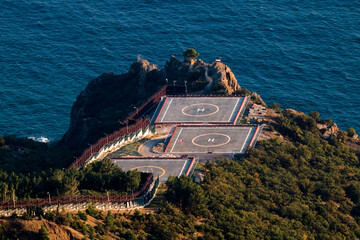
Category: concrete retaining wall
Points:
column 119, row 143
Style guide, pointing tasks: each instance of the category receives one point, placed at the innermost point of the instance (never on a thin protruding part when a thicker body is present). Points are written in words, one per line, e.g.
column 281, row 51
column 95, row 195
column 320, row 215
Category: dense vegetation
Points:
column 302, row 188
column 94, row 179
column 307, row 187
column 25, row 155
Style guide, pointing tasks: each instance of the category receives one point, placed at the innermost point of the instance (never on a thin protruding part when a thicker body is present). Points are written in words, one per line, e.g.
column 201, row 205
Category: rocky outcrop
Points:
column 110, row 97
column 107, row 100
column 201, row 76
column 333, row 130
column 222, row 74
column 257, row 99
column 142, row 67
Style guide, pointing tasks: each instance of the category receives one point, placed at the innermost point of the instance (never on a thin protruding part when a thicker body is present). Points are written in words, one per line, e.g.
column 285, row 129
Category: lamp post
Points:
column 137, row 111
column 13, row 197
column 106, row 136
column 185, row 87
column 90, row 148
column 48, row 193
column 107, row 194
column 167, row 81
column 174, row 85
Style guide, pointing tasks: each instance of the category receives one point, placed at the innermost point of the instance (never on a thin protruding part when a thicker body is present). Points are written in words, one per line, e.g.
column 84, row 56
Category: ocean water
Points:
column 302, row 54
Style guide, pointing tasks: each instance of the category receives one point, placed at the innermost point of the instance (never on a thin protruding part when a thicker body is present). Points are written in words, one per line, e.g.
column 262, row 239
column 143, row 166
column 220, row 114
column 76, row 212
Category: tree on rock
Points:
column 190, row 53
column 315, row 115
column 351, row 132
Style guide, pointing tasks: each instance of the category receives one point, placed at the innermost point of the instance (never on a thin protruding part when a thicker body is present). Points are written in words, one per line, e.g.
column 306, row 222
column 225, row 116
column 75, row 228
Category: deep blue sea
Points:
column 303, row 54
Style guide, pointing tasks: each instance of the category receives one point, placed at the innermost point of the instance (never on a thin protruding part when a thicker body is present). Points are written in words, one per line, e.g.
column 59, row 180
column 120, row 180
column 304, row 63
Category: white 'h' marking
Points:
column 211, row 140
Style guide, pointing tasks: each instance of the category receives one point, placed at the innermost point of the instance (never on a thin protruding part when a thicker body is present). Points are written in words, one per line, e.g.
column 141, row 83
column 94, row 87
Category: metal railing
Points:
column 56, row 201
column 93, row 149
column 126, row 129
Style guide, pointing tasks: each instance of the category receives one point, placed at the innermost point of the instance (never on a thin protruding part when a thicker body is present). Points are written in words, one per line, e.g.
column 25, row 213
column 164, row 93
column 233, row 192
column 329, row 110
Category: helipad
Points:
column 212, row 139
column 199, row 109
column 160, row 167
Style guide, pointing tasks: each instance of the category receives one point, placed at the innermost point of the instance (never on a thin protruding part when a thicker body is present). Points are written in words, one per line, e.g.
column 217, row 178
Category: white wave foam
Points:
column 40, row 139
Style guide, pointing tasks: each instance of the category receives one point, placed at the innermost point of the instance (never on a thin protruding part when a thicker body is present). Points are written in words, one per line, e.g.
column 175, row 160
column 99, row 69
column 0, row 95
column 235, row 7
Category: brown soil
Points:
column 29, row 229
column 93, row 222
column 269, row 121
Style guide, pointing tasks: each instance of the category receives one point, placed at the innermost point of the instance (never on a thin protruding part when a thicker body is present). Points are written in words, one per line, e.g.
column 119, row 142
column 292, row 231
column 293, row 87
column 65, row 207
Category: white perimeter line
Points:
column 176, row 140
column 245, row 141
column 182, row 168
column 234, row 109
column 229, row 127
column 155, row 160
column 167, row 109
column 203, row 152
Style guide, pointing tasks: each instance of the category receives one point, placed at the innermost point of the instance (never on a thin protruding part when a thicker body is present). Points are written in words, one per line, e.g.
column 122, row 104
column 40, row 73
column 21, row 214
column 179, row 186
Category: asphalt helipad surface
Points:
column 164, row 167
column 201, row 109
column 210, row 139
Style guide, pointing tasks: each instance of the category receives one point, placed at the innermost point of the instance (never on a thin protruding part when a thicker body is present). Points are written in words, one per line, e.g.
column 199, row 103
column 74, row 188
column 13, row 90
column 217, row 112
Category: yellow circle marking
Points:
column 163, row 170
column 217, row 145
column 203, row 115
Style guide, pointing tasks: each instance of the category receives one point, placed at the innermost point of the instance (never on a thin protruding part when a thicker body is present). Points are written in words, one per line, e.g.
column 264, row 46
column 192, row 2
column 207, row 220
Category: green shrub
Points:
column 329, row 122
column 275, row 106
column 82, row 215
column 109, row 220
column 351, row 132
column 315, row 115
column 43, row 233
column 190, row 53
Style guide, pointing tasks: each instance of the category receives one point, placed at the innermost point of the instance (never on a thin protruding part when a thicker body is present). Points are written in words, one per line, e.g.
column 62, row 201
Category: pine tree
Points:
column 43, row 233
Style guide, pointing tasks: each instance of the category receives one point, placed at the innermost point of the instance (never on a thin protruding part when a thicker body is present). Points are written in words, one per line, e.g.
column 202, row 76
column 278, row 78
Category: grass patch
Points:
column 200, row 167
column 131, row 149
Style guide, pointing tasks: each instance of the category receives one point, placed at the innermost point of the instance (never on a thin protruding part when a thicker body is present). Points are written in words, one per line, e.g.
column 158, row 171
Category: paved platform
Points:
column 198, row 109
column 212, row 139
column 162, row 167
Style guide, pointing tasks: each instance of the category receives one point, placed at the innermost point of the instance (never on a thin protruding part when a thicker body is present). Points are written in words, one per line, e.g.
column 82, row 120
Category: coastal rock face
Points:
column 201, row 77
column 257, row 99
column 222, row 74
column 109, row 98
column 330, row 131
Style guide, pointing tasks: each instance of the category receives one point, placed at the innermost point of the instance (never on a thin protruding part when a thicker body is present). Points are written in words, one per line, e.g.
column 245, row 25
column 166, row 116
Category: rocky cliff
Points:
column 109, row 98
column 202, row 77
